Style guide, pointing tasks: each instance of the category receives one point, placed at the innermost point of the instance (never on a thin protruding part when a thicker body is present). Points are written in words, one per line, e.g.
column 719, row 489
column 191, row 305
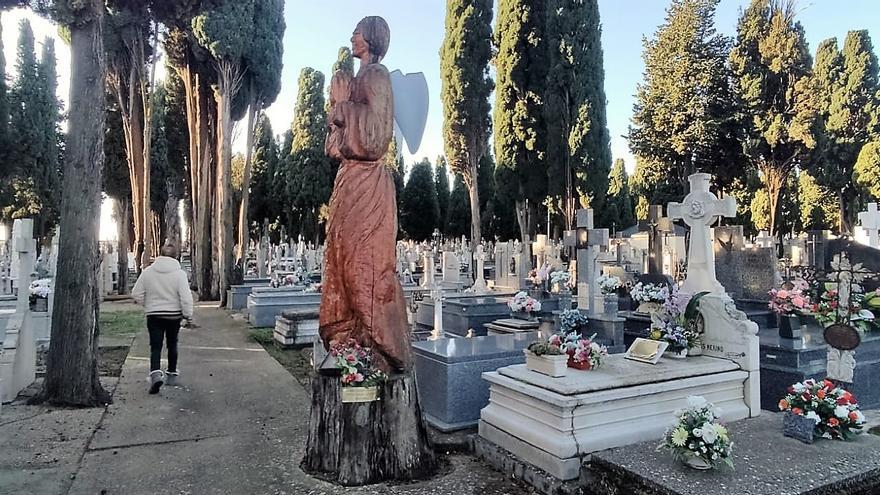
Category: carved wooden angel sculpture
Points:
column 361, row 294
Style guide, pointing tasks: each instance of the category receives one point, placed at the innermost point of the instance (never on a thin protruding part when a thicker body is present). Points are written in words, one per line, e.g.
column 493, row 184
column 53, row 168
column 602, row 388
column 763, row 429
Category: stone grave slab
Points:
column 506, row 326
column 264, row 306
column 464, row 312
column 451, row 392
column 298, row 327
column 765, row 463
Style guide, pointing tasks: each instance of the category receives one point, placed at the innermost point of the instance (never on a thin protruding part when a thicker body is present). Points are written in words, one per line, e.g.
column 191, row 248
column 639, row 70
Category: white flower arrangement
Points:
column 560, row 277
column 41, row 288
column 521, row 302
column 645, row 293
column 698, row 434
column 609, row 284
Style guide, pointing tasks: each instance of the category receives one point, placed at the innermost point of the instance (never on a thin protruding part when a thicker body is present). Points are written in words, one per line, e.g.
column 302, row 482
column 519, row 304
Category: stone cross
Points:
column 540, row 249
column 764, row 240
column 699, row 210
column 870, row 221
column 657, row 225
column 589, row 295
column 479, row 286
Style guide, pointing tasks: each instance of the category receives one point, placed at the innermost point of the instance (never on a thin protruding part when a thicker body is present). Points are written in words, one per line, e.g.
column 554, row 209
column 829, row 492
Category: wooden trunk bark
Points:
column 362, row 443
column 72, row 363
column 123, row 244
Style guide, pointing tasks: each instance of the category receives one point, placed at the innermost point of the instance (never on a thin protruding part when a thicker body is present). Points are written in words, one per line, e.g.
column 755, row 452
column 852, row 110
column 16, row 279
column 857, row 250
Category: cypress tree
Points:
column 684, row 114
column 579, row 153
column 848, row 100
column 867, row 169
column 486, row 184
column 771, row 68
column 818, row 204
column 264, row 204
column 620, row 205
column 419, row 210
column 466, row 86
column 458, row 223
column 312, row 181
column 394, row 161
column 518, row 119
column 441, row 183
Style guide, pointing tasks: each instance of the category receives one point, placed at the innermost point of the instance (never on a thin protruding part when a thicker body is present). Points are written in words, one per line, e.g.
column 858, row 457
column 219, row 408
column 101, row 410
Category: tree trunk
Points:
column 476, row 226
column 243, row 224
column 171, row 215
column 223, row 213
column 72, row 362
column 368, row 442
column 122, row 215
column 522, row 218
column 146, row 89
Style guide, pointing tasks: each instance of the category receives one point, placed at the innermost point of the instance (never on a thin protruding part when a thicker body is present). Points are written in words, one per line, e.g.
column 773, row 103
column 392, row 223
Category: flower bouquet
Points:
column 522, row 305
column 609, row 284
column 538, row 276
column 547, row 357
column 788, row 304
column 355, row 363
column 560, row 280
column 572, row 320
column 698, row 439
column 38, row 294
column 829, row 310
column 834, row 410
column 584, row 354
column 678, row 323
column 649, row 296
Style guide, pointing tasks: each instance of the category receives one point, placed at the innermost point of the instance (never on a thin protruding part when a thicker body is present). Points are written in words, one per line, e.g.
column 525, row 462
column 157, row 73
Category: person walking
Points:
column 163, row 290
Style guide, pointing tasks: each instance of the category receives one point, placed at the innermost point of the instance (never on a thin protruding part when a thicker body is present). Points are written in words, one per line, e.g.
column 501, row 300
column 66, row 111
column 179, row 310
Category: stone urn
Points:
column 676, row 354
column 789, row 326
column 611, row 304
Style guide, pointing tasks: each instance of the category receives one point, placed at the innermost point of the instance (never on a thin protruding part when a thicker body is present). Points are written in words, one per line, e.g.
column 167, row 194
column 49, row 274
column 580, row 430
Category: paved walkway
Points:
column 235, row 424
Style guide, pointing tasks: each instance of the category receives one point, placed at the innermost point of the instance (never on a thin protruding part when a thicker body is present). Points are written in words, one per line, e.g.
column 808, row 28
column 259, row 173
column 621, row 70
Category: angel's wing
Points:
column 410, row 92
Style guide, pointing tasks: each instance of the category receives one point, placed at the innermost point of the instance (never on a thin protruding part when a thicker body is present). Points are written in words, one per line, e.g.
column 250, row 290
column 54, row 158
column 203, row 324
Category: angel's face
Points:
column 360, row 49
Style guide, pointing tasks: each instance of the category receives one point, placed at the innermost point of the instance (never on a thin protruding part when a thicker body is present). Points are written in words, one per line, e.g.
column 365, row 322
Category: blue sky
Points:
column 315, row 33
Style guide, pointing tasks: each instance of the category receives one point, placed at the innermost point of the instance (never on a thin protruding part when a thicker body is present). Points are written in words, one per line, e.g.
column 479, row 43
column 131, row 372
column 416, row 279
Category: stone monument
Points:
column 870, row 221
column 699, row 210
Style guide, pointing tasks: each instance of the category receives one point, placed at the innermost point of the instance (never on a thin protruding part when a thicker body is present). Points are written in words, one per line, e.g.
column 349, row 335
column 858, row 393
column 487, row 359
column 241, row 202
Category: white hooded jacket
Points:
column 163, row 289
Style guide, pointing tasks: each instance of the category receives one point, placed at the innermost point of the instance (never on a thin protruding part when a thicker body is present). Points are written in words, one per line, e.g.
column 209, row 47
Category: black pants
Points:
column 163, row 329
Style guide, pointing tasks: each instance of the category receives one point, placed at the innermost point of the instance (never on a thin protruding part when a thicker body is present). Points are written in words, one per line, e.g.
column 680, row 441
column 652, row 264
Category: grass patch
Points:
column 121, row 323
column 296, row 361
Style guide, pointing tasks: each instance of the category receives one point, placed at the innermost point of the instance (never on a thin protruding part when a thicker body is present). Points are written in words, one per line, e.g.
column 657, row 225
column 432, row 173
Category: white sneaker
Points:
column 171, row 377
column 157, row 378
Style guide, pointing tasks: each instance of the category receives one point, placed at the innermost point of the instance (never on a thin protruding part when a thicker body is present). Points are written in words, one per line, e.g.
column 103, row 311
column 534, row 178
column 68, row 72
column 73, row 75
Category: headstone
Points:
column 870, row 221
column 428, row 275
column 479, row 286
column 589, row 295
column 764, row 239
column 816, row 245
column 699, row 210
column 539, row 248
column 451, row 268
column 656, row 225
column 503, row 255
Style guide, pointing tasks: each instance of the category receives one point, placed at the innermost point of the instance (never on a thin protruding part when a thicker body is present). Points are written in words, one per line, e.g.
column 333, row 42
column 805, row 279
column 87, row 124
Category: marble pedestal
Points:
column 237, row 294
column 552, row 423
column 296, row 327
column 788, row 361
column 451, row 390
column 264, row 304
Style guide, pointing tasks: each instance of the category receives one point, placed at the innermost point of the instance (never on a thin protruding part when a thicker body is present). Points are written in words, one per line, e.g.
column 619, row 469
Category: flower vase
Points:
column 676, row 354
column 522, row 315
column 611, row 304
column 798, row 427
column 553, row 365
column 696, row 350
column 697, row 463
column 359, row 394
column 536, row 292
column 564, row 300
column 41, row 304
column 789, row 326
column 578, row 365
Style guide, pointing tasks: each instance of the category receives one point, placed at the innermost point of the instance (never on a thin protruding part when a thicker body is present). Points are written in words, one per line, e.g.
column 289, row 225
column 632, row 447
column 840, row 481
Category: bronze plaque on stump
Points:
column 843, row 337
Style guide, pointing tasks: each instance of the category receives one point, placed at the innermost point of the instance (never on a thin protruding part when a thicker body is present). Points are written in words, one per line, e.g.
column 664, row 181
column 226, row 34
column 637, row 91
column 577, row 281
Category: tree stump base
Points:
column 361, row 443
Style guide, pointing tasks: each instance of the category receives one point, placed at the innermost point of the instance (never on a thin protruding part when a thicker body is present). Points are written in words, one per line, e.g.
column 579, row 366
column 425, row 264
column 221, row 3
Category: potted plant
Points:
column 788, row 304
column 522, row 306
column 547, row 357
column 584, row 354
column 609, row 285
column 679, row 323
column 572, row 320
column 649, row 296
column 360, row 382
column 561, row 282
column 833, row 410
column 38, row 297
column 698, row 438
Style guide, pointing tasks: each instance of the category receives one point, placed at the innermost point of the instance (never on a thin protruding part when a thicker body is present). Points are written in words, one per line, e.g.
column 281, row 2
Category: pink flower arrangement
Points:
column 789, row 301
column 521, row 302
column 584, row 354
column 354, row 361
